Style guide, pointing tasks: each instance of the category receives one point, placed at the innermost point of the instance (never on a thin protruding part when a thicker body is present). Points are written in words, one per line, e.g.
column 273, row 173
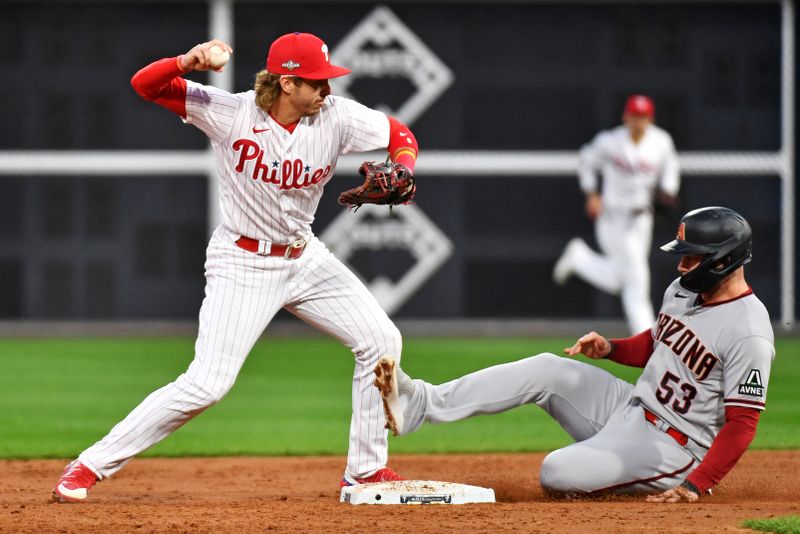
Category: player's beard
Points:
column 314, row 108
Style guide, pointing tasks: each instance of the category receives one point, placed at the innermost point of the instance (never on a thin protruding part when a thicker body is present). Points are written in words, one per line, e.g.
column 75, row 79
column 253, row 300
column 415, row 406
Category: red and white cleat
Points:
column 75, row 483
column 384, row 474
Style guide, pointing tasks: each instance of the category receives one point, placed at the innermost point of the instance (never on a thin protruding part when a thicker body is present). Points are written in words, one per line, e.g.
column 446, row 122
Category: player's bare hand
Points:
column 678, row 494
column 199, row 57
column 592, row 345
column 594, row 206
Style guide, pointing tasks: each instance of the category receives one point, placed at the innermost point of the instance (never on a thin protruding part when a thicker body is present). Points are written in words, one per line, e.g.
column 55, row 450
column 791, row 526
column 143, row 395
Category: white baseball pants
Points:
column 624, row 267
column 616, row 448
column 244, row 291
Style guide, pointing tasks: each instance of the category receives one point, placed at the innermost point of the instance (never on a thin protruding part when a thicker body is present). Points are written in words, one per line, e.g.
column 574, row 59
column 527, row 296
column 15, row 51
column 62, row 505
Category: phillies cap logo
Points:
column 290, row 65
column 304, row 55
column 682, row 232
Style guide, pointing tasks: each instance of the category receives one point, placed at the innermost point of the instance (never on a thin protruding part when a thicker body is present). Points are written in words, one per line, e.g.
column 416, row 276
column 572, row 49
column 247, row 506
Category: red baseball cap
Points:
column 640, row 105
column 303, row 55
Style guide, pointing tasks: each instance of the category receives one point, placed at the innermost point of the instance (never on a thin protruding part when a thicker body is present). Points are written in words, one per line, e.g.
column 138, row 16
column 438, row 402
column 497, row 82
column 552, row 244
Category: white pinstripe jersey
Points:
column 271, row 180
column 631, row 172
column 705, row 358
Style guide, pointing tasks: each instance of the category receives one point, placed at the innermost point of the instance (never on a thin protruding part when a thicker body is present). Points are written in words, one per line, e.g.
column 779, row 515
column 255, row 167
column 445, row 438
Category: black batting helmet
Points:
column 721, row 236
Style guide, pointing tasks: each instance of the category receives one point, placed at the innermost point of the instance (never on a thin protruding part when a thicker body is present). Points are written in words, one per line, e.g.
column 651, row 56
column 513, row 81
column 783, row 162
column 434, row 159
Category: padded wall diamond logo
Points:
column 382, row 47
column 376, row 227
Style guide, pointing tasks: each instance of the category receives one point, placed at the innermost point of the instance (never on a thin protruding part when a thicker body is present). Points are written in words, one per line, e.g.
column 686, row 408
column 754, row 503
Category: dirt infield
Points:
column 300, row 494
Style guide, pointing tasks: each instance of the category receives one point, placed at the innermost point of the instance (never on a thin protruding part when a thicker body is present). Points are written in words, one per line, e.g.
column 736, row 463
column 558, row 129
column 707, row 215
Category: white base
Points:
column 415, row 492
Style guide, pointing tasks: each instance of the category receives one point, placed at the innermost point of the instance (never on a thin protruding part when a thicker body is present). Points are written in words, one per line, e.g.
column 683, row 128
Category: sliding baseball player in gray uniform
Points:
column 684, row 424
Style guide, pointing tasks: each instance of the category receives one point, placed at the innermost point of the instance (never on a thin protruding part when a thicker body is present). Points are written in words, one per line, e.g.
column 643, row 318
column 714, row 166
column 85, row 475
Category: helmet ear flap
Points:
column 737, row 257
column 709, row 273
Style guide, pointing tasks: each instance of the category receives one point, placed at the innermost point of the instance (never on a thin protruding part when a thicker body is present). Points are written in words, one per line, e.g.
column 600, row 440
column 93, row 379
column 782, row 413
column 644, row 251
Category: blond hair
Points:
column 268, row 89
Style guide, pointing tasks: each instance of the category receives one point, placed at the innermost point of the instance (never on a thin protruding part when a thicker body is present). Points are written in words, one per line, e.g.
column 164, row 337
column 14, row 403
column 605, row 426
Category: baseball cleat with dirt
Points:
column 75, row 483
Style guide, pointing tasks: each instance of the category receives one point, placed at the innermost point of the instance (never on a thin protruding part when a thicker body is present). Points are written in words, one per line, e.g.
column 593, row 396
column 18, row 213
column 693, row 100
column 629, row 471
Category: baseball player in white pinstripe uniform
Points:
column 638, row 163
column 275, row 149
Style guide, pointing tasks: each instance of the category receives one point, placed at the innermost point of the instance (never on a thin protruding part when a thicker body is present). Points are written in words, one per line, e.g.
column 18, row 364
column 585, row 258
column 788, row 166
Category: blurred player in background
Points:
column 275, row 147
column 639, row 166
column 691, row 414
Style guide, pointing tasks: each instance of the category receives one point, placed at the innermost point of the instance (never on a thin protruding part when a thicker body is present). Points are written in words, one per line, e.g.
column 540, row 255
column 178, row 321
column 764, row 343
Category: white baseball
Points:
column 218, row 56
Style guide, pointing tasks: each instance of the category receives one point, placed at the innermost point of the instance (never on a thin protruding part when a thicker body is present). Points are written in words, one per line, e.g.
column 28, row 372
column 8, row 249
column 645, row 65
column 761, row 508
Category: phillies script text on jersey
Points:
column 288, row 174
column 627, row 167
column 674, row 334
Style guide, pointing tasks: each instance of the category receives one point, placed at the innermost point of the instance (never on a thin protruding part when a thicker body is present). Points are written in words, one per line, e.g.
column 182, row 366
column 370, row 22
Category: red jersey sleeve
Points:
column 733, row 439
column 403, row 146
column 633, row 351
column 161, row 82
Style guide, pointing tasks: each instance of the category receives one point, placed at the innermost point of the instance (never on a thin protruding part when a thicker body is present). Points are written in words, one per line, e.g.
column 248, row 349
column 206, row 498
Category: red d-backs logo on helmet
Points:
column 681, row 232
column 286, row 174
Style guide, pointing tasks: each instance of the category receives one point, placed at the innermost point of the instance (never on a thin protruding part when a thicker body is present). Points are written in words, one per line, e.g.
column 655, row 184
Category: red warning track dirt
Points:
column 301, row 494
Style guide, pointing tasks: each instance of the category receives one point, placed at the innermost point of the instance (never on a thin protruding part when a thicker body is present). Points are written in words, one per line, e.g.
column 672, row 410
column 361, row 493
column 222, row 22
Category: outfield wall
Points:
column 105, row 202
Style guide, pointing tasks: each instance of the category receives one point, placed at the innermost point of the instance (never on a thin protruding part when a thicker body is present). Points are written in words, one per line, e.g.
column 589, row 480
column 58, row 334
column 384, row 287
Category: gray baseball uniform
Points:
column 629, row 438
column 706, row 358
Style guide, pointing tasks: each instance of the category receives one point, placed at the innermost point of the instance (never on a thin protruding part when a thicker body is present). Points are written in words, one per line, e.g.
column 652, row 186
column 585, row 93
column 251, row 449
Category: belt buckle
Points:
column 662, row 425
column 294, row 246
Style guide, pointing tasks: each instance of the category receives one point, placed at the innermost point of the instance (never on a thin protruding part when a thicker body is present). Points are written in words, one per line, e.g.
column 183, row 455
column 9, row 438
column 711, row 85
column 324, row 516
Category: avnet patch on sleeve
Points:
column 753, row 386
column 746, row 372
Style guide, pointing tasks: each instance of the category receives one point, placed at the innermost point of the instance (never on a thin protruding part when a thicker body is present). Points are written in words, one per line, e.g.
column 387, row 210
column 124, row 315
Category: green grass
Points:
column 789, row 524
column 59, row 396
